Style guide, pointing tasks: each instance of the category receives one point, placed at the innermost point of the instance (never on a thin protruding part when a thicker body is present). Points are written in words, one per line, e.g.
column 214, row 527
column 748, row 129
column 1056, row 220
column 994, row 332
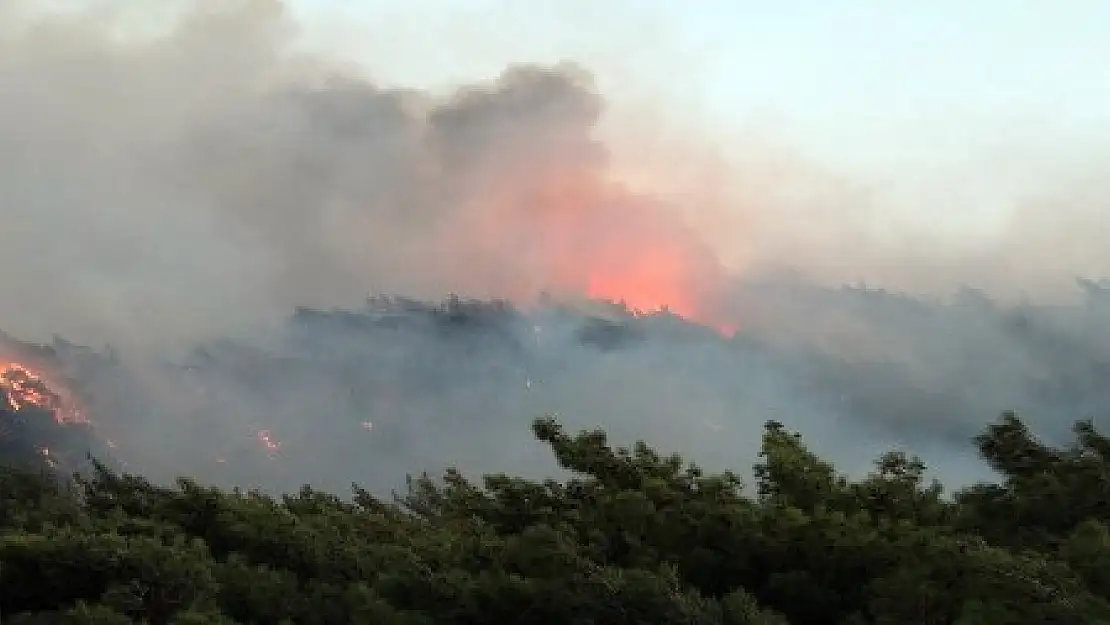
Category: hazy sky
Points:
column 867, row 87
column 968, row 96
column 829, row 72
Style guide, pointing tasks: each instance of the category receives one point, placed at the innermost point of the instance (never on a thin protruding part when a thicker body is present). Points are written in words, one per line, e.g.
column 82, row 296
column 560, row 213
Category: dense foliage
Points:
column 631, row 537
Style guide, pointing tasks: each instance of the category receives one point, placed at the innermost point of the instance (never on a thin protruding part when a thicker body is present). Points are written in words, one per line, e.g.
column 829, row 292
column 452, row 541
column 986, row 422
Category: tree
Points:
column 631, row 536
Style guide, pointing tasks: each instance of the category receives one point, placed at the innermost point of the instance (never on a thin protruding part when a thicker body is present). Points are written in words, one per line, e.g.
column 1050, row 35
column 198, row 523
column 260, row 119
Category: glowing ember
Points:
column 48, row 457
column 23, row 388
column 272, row 446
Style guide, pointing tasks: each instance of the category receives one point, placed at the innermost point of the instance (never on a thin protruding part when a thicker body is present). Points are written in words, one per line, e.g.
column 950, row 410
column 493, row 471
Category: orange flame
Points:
column 23, row 388
column 574, row 233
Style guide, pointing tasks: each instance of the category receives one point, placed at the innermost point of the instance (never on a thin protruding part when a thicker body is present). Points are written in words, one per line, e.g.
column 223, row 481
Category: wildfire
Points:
column 579, row 233
column 23, row 388
column 272, row 446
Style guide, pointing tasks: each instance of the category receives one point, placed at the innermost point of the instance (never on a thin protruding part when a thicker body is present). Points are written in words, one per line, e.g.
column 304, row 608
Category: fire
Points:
column 659, row 276
column 271, row 445
column 23, row 388
column 576, row 233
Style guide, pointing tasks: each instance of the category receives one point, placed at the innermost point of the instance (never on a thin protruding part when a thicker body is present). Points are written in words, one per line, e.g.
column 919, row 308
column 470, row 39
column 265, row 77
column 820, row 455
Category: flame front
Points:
column 23, row 388
column 575, row 232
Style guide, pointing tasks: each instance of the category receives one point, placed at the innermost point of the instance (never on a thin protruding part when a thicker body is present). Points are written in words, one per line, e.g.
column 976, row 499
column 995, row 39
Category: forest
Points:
column 691, row 409
column 632, row 535
column 579, row 529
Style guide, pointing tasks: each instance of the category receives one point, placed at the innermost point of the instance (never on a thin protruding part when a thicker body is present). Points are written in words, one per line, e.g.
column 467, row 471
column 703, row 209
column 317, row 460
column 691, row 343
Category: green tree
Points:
column 631, row 536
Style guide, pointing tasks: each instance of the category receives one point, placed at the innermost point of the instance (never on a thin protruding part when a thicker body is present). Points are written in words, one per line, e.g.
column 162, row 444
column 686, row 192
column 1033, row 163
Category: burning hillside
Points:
column 336, row 386
column 41, row 422
column 23, row 388
column 400, row 385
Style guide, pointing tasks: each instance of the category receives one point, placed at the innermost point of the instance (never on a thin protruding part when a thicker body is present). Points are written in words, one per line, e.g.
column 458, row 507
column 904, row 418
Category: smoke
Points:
column 213, row 175
column 165, row 190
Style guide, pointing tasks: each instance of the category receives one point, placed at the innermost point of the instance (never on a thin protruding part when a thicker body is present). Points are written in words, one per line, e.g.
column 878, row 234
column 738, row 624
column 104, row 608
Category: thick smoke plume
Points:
column 177, row 195
column 212, row 175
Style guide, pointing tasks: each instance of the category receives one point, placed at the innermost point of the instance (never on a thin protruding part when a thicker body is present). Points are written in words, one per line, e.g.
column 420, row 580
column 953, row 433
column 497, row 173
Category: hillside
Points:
column 589, row 532
column 372, row 393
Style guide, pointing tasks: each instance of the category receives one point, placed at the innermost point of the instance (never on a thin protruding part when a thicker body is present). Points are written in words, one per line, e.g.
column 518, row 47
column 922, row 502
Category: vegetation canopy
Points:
column 633, row 536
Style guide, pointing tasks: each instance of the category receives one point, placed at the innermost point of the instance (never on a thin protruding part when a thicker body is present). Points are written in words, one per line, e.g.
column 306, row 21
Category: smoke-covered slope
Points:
column 400, row 386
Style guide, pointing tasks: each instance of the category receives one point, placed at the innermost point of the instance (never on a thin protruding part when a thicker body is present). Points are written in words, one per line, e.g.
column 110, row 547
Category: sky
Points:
column 832, row 71
column 968, row 96
column 965, row 126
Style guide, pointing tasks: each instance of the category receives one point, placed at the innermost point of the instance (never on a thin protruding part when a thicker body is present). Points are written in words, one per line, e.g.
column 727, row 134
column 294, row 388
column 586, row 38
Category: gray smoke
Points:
column 210, row 178
column 165, row 193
